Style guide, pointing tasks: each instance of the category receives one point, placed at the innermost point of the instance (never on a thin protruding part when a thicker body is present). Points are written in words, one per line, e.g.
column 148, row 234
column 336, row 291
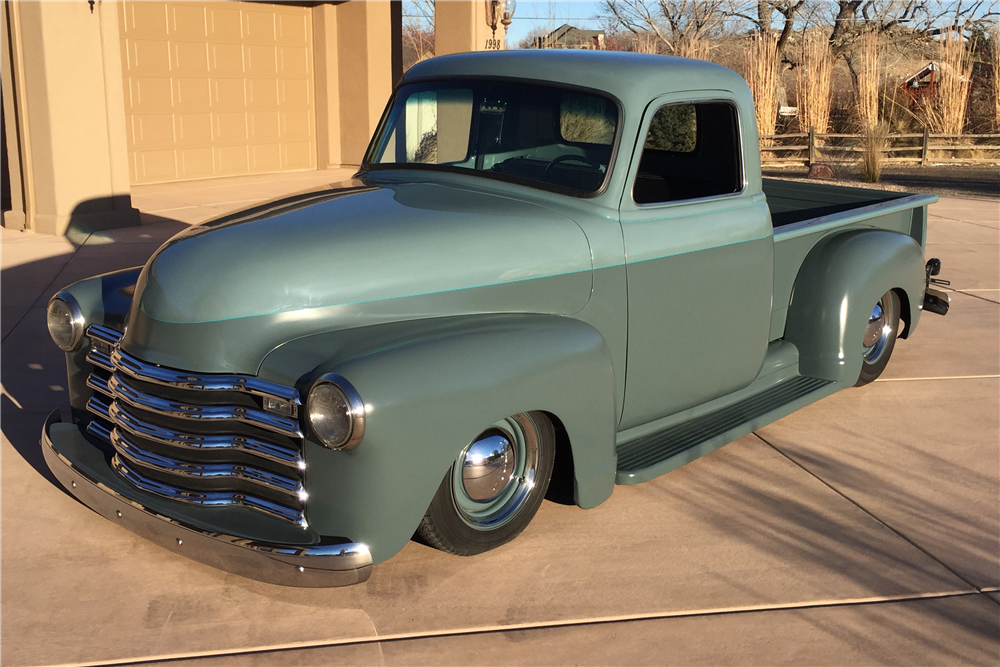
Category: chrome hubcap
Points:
column 493, row 476
column 487, row 466
column 879, row 328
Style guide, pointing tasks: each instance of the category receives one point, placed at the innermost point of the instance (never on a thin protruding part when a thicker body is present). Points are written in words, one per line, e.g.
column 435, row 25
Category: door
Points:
column 699, row 261
column 217, row 89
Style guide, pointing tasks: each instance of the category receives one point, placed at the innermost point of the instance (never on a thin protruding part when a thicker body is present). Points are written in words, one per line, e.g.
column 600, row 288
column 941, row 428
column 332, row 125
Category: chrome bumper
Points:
column 311, row 566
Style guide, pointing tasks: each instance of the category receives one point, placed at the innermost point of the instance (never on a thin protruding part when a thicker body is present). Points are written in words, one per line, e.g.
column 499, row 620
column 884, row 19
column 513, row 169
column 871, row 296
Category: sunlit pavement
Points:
column 863, row 529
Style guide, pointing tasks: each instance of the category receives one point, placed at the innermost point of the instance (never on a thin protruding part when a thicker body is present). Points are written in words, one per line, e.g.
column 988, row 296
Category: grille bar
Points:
column 206, row 498
column 212, row 467
column 131, row 396
column 100, row 359
column 117, row 359
column 129, row 423
column 136, row 456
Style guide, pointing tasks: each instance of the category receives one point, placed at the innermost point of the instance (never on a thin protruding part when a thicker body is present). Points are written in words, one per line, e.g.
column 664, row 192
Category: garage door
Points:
column 217, row 89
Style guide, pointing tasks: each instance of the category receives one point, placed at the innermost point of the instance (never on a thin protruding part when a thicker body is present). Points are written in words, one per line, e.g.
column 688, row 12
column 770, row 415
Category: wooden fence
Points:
column 841, row 148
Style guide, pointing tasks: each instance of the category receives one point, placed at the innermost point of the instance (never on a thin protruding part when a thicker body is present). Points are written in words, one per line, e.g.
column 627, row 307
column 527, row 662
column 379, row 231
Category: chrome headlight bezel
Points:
column 355, row 415
column 77, row 321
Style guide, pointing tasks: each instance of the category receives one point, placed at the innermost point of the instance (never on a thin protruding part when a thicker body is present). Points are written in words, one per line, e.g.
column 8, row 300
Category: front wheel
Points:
column 494, row 488
column 880, row 337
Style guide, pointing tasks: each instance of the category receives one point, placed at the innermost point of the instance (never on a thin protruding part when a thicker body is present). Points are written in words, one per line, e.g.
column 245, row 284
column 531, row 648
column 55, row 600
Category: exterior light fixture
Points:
column 492, row 14
column 508, row 13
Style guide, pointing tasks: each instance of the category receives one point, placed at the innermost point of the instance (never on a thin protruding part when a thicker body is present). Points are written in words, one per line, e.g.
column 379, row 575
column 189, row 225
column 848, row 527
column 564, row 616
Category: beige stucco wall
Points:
column 73, row 116
column 460, row 26
column 66, row 124
column 364, row 49
column 327, row 62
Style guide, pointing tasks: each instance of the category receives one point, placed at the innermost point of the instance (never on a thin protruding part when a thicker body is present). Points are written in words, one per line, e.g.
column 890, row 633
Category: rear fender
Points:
column 430, row 388
column 840, row 281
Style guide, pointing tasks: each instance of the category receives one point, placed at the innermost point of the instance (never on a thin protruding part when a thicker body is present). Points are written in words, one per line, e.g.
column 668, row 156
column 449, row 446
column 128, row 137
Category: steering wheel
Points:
column 574, row 158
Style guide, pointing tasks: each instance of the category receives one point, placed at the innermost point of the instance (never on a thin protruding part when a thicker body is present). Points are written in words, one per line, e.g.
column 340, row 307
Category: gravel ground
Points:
column 978, row 182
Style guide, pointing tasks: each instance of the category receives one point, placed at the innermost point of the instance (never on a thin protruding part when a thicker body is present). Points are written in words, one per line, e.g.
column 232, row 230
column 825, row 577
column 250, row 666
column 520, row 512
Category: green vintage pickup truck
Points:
column 552, row 266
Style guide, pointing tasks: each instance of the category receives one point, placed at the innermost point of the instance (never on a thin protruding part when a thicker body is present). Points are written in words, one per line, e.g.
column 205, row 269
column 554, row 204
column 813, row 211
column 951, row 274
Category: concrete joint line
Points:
column 967, row 222
column 974, row 296
column 542, row 625
column 940, row 377
column 47, row 287
column 872, row 514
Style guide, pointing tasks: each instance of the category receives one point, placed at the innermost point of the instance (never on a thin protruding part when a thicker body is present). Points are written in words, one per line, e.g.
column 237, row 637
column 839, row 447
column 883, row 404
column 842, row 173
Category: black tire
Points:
column 460, row 525
column 879, row 341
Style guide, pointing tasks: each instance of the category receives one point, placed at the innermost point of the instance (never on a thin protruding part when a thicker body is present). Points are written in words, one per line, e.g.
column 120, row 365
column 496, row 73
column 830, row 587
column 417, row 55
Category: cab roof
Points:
column 634, row 78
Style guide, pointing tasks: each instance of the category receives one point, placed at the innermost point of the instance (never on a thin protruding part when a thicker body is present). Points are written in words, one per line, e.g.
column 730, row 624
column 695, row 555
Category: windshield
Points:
column 545, row 136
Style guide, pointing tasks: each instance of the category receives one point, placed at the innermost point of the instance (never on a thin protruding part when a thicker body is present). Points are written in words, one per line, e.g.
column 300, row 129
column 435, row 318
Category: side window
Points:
column 692, row 150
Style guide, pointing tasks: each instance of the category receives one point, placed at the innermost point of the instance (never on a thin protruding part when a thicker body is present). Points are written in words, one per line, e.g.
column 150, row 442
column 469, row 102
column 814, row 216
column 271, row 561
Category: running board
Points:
column 660, row 452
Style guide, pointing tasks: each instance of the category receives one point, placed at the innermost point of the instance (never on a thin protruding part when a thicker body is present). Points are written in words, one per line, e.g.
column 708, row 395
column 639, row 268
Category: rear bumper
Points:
column 311, row 566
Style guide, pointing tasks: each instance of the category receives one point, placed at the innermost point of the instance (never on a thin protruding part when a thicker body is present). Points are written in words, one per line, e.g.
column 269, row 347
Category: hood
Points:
column 325, row 259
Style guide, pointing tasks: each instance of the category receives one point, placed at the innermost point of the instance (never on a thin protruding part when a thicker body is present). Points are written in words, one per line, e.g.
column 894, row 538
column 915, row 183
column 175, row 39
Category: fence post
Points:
column 812, row 146
column 923, row 152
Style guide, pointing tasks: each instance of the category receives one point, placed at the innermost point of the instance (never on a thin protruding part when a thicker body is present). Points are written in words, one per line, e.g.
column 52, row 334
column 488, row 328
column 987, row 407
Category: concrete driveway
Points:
column 863, row 529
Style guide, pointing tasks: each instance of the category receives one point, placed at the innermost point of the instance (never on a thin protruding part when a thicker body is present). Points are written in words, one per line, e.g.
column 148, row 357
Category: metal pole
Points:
column 812, row 146
column 923, row 152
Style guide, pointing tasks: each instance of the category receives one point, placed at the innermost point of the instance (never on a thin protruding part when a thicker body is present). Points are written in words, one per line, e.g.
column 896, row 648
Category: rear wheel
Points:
column 494, row 488
column 880, row 337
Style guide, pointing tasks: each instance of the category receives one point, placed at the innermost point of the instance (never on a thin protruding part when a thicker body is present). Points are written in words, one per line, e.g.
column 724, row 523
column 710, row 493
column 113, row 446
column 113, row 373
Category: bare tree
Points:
column 671, row 23
column 418, row 32
column 530, row 40
column 764, row 17
column 901, row 20
column 680, row 25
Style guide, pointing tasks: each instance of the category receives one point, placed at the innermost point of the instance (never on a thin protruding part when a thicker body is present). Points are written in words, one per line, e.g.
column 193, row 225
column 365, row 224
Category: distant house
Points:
column 923, row 83
column 569, row 37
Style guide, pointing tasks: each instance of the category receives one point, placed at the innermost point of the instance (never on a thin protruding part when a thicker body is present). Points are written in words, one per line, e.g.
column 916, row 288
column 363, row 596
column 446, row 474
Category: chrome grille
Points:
column 201, row 439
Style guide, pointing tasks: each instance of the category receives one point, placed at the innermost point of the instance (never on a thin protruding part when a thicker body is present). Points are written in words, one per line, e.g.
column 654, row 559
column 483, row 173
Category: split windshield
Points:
column 545, row 136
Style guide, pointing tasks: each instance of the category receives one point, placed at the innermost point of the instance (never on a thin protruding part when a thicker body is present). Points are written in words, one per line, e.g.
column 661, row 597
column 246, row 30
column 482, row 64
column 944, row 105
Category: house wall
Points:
column 75, row 125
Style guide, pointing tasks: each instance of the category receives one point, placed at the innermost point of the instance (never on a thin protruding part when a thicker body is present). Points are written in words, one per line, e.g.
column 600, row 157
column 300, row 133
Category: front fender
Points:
column 430, row 388
column 840, row 281
column 103, row 299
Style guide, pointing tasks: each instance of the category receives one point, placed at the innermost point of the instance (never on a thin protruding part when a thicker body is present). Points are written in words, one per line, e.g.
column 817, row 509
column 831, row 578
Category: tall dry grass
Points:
column 946, row 112
column 813, row 84
column 867, row 65
column 645, row 44
column 693, row 47
column 996, row 71
column 760, row 67
column 874, row 138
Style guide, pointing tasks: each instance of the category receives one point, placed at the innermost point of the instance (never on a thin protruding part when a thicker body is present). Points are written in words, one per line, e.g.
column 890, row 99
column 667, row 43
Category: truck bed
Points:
column 793, row 201
column 804, row 213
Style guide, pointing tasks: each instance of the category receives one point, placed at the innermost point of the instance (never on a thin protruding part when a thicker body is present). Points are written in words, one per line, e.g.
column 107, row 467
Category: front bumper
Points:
column 311, row 566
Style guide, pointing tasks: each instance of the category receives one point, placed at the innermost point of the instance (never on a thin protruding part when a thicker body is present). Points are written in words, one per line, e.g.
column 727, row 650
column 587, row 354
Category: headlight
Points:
column 65, row 320
column 336, row 413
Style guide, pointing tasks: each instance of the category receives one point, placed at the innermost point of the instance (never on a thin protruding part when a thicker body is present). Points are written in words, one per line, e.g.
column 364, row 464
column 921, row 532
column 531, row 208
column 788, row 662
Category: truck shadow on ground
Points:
column 782, row 520
column 33, row 368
